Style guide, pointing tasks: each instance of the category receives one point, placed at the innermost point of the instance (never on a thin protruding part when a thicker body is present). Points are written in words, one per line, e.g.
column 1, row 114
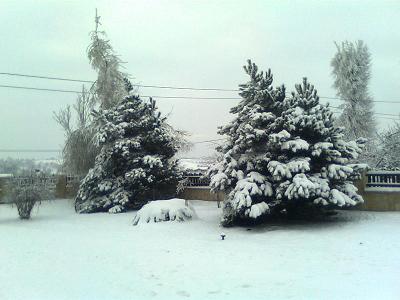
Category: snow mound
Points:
column 164, row 210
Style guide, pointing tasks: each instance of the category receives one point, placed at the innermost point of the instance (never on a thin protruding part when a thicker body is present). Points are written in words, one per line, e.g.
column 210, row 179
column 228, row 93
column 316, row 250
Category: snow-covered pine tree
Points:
column 352, row 71
column 283, row 154
column 135, row 163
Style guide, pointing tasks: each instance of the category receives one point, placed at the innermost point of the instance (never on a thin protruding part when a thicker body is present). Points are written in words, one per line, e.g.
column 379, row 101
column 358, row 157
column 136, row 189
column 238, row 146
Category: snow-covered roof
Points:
column 194, row 164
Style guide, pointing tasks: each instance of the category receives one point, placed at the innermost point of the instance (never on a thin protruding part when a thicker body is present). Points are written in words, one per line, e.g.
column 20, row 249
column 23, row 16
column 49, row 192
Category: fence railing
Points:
column 61, row 186
column 384, row 180
column 50, row 182
column 375, row 179
column 197, row 180
column 72, row 181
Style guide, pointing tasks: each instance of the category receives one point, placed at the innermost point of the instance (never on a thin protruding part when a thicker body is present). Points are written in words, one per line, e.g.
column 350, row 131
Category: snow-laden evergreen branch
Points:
column 283, row 154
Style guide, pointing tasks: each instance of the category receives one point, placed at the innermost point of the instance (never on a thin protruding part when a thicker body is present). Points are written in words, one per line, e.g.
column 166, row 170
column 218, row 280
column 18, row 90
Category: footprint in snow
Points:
column 183, row 293
column 153, row 294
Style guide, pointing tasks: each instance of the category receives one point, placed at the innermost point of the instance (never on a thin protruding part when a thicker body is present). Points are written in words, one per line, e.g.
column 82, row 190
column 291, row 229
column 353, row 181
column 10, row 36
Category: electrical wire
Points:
column 55, row 150
column 160, row 97
column 138, row 85
column 154, row 86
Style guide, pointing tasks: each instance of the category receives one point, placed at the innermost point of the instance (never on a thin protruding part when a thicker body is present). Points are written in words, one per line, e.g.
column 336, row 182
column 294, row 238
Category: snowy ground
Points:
column 61, row 255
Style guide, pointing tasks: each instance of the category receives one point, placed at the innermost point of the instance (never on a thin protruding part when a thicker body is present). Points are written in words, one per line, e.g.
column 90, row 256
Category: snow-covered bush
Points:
column 283, row 154
column 182, row 184
column 25, row 198
column 135, row 163
column 164, row 210
column 25, row 195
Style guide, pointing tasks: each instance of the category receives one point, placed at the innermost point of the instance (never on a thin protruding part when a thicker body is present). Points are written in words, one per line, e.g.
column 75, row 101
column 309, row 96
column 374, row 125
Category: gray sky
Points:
column 184, row 43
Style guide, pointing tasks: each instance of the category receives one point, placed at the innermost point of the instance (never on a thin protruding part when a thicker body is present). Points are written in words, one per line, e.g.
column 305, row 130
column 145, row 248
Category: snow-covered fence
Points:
column 72, row 180
column 197, row 180
column 49, row 182
column 67, row 185
column 380, row 190
column 12, row 186
column 61, row 186
column 383, row 180
column 197, row 187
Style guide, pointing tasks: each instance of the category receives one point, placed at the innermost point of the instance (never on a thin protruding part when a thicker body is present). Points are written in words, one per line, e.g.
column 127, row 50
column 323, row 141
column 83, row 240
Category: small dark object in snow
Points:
column 248, row 229
column 223, row 236
column 361, row 243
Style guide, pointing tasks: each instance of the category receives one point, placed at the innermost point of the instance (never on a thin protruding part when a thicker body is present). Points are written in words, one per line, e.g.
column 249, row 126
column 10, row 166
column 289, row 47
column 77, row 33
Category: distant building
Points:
column 197, row 166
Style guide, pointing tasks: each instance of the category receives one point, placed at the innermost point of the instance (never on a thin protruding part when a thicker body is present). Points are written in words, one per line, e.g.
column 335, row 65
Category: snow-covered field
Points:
column 61, row 255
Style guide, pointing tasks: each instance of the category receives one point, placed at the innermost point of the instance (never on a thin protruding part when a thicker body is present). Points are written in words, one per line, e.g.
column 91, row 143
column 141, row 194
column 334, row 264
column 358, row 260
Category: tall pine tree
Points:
column 283, row 154
column 135, row 163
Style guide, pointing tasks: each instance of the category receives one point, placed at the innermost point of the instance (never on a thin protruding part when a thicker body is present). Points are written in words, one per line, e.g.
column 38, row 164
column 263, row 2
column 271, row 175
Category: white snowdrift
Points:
column 164, row 210
column 357, row 258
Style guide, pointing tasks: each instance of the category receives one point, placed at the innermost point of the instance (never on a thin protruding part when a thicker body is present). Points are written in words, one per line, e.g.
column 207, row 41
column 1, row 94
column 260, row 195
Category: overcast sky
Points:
column 184, row 43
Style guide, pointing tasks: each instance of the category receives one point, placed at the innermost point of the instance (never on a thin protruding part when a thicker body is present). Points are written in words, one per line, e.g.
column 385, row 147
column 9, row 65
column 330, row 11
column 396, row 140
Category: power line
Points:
column 28, row 150
column 192, row 97
column 376, row 113
column 79, row 92
column 209, row 141
column 59, row 150
column 160, row 97
column 185, row 88
column 149, row 86
column 154, row 86
column 138, row 85
column 156, row 96
column 45, row 77
column 374, row 101
column 38, row 89
column 379, row 117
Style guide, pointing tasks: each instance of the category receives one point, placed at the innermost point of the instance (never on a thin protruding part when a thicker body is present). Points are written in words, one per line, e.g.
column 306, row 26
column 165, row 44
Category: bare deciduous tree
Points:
column 79, row 150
